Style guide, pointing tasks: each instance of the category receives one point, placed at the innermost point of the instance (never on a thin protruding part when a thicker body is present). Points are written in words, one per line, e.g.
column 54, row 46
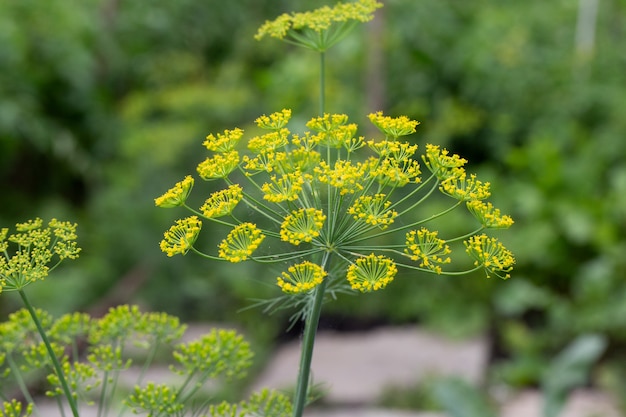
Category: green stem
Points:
column 55, row 361
column 322, row 83
column 20, row 382
column 308, row 341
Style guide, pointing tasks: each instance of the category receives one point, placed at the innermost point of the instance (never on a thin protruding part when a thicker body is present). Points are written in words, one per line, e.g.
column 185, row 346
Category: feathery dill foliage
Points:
column 330, row 191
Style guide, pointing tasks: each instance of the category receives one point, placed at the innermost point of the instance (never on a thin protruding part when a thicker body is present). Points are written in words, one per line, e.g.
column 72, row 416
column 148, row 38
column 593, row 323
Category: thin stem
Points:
column 308, row 341
column 53, row 357
column 322, row 83
column 20, row 381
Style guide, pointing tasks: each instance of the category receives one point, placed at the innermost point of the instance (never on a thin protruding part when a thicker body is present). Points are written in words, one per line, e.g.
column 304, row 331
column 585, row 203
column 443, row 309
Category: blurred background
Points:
column 104, row 105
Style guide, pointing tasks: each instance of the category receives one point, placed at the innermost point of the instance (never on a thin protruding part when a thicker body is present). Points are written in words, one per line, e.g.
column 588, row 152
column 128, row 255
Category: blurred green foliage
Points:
column 103, row 105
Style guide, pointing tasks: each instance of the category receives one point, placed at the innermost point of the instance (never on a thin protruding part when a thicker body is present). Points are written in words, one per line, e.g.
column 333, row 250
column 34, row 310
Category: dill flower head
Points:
column 371, row 273
column 321, row 28
column 221, row 203
column 302, row 277
column 330, row 194
column 241, row 242
column 302, row 225
column 39, row 249
column 424, row 246
column 181, row 236
column 177, row 195
column 393, row 127
column 223, row 142
column 491, row 255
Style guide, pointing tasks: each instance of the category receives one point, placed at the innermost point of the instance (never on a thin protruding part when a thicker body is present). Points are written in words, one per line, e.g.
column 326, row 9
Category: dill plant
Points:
column 330, row 195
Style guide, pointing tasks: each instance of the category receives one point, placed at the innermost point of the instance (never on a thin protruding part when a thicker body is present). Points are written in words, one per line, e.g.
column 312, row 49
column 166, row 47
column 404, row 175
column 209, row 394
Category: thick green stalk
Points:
column 322, row 83
column 53, row 357
column 306, row 356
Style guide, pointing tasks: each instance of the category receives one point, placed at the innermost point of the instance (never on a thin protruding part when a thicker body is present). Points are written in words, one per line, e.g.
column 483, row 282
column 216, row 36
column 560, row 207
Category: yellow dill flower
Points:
column 400, row 151
column 321, row 28
column 241, row 242
column 441, row 164
column 181, row 236
column 425, row 246
column 489, row 216
column 393, row 127
column 397, row 173
column 274, row 121
column 491, row 255
column 341, row 137
column 36, row 249
column 373, row 210
column 345, row 176
column 302, row 225
column 465, row 189
column 302, row 277
column 177, row 195
column 224, row 142
column 269, row 142
column 371, row 273
column 327, row 123
column 307, row 142
column 219, row 166
column 221, row 203
column 267, row 162
column 301, row 159
column 285, row 188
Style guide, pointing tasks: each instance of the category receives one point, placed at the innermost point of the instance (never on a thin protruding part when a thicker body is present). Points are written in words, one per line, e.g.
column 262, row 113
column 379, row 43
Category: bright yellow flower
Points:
column 181, row 236
column 302, row 225
column 274, row 121
column 441, row 164
column 221, row 203
column 219, row 166
column 373, row 210
column 224, row 142
column 285, row 188
column 393, row 127
column 488, row 215
column 465, row 189
column 371, row 273
column 425, row 246
column 241, row 242
column 491, row 255
column 300, row 278
column 177, row 195
column 347, row 177
column 269, row 142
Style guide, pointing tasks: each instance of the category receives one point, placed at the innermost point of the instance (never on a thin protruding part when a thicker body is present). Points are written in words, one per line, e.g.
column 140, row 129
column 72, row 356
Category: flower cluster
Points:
column 330, row 192
column 321, row 28
column 39, row 250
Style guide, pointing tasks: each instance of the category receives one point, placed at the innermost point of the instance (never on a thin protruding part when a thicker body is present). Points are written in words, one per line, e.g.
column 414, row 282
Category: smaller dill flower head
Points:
column 221, row 203
column 344, row 175
column 241, row 242
column 177, row 195
column 441, row 164
column 37, row 249
column 321, row 28
column 371, row 273
column 488, row 215
column 223, row 142
column 300, row 278
column 274, row 121
column 179, row 238
column 269, row 142
column 155, row 399
column 393, row 127
column 491, row 255
column 302, row 225
column 373, row 210
column 397, row 173
column 465, row 189
column 283, row 188
column 424, row 246
column 218, row 166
